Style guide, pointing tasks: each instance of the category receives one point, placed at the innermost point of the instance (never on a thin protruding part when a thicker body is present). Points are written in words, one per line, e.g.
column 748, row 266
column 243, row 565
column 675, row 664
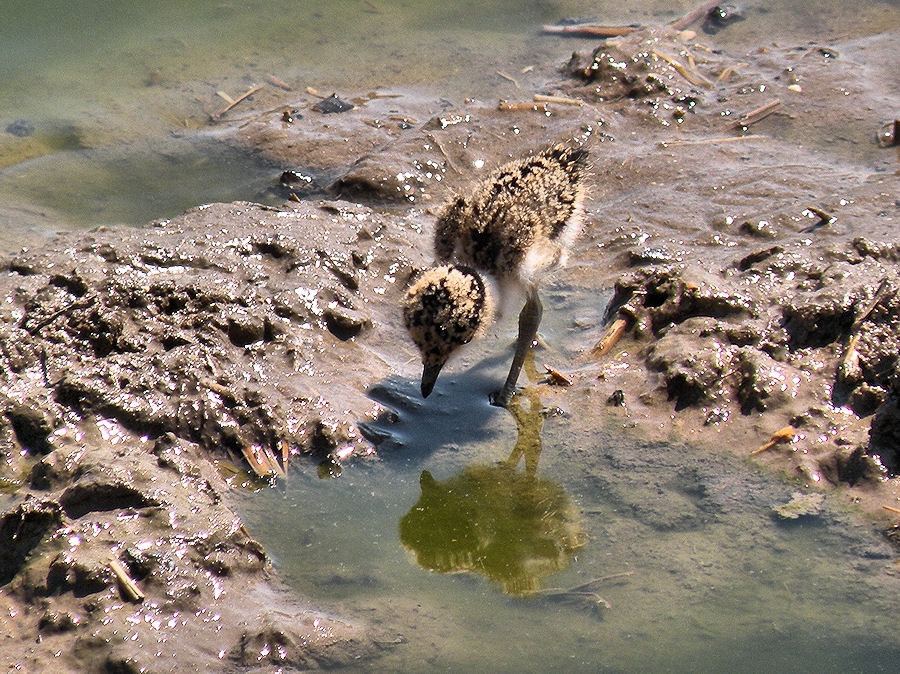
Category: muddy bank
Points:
column 740, row 207
column 133, row 357
column 242, row 332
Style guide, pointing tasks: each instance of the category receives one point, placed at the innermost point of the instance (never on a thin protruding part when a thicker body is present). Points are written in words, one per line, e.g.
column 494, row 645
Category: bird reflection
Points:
column 513, row 527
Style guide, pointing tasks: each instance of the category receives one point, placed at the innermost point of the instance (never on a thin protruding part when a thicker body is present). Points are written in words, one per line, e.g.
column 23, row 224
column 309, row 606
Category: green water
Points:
column 480, row 540
column 692, row 570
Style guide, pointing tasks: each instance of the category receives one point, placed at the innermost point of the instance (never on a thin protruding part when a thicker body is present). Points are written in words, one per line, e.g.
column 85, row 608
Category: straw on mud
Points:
column 595, row 30
column 243, row 97
column 848, row 367
column 557, row 377
column 694, row 78
column 130, row 590
column 710, row 141
column 891, row 509
column 825, row 218
column 541, row 98
column 880, row 295
column 281, row 84
column 522, row 105
column 756, row 115
column 589, row 30
column 508, row 77
column 611, row 337
column 225, row 97
column 728, row 71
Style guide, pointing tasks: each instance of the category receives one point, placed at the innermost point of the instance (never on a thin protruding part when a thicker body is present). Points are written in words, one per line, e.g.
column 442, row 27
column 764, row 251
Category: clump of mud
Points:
column 102, row 496
column 130, row 358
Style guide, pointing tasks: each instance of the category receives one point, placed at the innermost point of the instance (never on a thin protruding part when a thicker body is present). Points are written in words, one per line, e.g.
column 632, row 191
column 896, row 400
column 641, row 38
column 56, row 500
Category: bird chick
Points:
column 445, row 308
column 511, row 227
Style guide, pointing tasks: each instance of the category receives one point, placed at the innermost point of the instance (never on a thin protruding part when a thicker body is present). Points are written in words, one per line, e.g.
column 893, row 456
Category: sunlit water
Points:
column 646, row 557
column 616, row 555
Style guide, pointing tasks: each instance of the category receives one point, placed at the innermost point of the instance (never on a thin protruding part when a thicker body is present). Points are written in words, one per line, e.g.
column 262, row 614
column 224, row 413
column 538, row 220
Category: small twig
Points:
column 891, row 509
column 285, row 454
column 244, row 97
column 130, row 590
column 825, row 218
column 710, row 141
column 589, row 30
column 611, row 337
column 80, row 304
column 786, row 434
column 848, row 367
column 508, row 77
column 522, row 105
column 557, row 377
column 281, row 84
column 880, row 294
column 693, row 78
column 225, row 97
column 314, row 92
column 372, row 7
column 694, row 15
column 726, row 74
column 562, row 100
column 754, row 116
column 601, row 579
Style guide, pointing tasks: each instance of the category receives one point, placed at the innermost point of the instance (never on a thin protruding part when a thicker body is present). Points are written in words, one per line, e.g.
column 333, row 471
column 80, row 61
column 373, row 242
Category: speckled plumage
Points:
column 520, row 220
column 445, row 308
column 513, row 225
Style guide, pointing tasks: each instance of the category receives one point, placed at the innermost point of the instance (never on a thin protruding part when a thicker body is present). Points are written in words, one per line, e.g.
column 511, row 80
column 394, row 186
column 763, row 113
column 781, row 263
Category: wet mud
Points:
column 755, row 271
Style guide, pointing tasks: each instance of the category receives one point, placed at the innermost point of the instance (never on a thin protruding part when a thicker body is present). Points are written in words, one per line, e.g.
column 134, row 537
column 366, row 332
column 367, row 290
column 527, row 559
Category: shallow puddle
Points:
column 477, row 541
column 140, row 182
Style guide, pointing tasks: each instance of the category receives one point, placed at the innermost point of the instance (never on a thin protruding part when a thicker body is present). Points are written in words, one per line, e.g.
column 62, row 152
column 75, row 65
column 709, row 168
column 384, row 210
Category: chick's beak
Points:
column 429, row 376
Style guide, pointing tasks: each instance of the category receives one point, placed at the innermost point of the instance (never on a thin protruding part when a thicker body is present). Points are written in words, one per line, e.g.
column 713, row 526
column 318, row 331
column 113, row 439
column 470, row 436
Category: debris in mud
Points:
column 21, row 128
column 800, row 505
column 161, row 338
column 332, row 105
column 720, row 16
column 239, row 329
column 887, row 136
column 234, row 102
column 779, row 437
column 128, row 518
